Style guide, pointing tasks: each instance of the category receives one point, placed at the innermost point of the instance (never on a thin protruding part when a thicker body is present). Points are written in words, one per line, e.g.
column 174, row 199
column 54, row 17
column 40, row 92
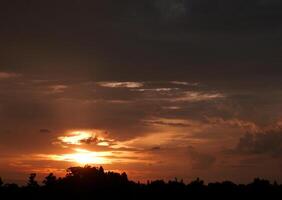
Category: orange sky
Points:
column 151, row 130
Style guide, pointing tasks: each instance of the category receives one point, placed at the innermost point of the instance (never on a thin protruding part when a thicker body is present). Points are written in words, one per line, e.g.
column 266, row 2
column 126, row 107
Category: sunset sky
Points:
column 156, row 88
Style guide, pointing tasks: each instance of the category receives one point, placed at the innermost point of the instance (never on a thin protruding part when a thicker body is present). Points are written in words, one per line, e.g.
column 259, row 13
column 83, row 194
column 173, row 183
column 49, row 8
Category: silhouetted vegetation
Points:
column 94, row 183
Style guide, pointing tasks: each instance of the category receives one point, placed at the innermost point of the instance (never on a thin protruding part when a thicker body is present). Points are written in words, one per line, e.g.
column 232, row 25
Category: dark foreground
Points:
column 94, row 183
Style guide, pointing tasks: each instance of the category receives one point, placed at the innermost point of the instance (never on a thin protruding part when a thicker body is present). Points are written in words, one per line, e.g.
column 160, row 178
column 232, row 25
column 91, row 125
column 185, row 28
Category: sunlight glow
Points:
column 84, row 157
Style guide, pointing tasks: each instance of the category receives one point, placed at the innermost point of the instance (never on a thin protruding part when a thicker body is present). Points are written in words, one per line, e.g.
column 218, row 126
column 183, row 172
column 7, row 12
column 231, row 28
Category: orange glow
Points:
column 85, row 152
column 83, row 157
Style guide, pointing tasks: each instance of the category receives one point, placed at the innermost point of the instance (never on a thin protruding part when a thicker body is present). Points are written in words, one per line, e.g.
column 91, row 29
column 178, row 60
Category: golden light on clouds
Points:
column 76, row 137
column 121, row 84
column 104, row 144
column 93, row 147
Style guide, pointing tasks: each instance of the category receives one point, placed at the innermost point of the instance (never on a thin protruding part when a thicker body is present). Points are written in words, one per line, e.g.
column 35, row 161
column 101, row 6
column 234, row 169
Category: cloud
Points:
column 44, row 130
column 169, row 122
column 58, row 88
column 171, row 107
column 194, row 96
column 246, row 125
column 200, row 160
column 80, row 137
column 269, row 142
column 7, row 75
column 184, row 83
column 121, row 84
column 155, row 89
column 171, row 9
column 96, row 139
column 156, row 148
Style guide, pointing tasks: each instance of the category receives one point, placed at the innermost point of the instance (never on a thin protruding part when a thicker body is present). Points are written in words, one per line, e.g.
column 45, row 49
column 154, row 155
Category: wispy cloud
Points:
column 155, row 89
column 58, row 88
column 8, row 75
column 184, row 83
column 168, row 122
column 246, row 125
column 194, row 96
column 121, row 84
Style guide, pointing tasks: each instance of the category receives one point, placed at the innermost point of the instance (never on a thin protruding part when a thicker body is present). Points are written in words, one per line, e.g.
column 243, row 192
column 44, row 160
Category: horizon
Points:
column 41, row 177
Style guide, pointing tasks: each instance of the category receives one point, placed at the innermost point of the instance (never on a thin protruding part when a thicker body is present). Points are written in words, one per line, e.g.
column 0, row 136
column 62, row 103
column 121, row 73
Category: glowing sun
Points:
column 84, row 157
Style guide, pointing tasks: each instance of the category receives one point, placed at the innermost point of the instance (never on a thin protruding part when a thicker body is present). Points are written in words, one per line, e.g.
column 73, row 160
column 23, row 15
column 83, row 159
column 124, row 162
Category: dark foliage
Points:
column 94, row 183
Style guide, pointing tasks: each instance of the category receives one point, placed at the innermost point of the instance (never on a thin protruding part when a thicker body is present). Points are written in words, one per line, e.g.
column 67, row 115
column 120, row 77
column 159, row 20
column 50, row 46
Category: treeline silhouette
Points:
column 94, row 183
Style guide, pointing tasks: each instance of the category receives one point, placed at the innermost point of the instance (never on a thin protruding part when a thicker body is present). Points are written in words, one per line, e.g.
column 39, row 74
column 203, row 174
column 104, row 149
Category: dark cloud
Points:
column 90, row 140
column 162, row 123
column 200, row 160
column 43, row 130
column 156, row 148
column 269, row 142
column 132, row 40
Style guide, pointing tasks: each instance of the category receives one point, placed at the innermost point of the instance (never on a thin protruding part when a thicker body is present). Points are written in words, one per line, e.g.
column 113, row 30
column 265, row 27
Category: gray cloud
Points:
column 8, row 75
column 200, row 160
column 155, row 148
column 269, row 142
column 164, row 123
column 44, row 130
column 171, row 9
column 145, row 47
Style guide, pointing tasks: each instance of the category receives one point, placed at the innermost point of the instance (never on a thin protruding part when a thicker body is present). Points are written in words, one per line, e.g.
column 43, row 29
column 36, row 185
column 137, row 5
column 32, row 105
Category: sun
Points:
column 84, row 157
column 82, row 139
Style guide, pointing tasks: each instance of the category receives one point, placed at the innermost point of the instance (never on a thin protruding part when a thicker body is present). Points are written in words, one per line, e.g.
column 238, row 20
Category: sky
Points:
column 157, row 88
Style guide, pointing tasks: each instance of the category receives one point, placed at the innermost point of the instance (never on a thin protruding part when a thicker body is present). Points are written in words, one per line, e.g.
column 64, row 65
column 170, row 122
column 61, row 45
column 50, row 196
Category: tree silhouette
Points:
column 50, row 180
column 1, row 182
column 96, row 183
column 32, row 183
